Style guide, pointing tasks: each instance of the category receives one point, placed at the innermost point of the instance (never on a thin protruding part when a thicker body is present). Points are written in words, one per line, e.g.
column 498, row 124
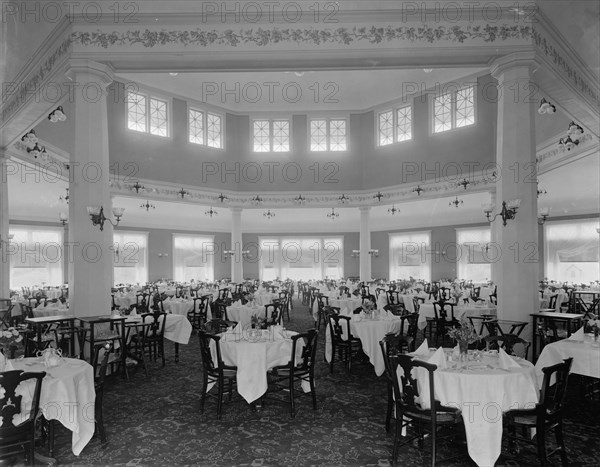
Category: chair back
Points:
column 444, row 293
column 417, row 303
column 210, row 366
column 552, row 396
column 344, row 291
column 511, row 343
column 217, row 326
column 309, row 352
column 337, row 323
column 11, row 435
column 393, row 297
column 157, row 324
column 441, row 309
column 322, row 300
column 219, row 310
column 273, row 313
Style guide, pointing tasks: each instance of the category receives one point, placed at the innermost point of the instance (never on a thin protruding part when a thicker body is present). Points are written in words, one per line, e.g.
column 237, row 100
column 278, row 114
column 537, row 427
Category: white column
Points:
column 516, row 273
column 493, row 241
column 237, row 265
column 4, row 224
column 365, row 244
column 90, row 249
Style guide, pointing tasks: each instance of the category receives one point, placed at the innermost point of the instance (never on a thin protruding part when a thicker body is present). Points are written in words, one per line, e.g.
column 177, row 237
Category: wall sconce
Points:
column 97, row 215
column 543, row 214
column 163, row 255
column 62, row 217
column 137, row 187
column 229, row 252
column 374, row 253
column 546, row 107
column 355, row 253
column 57, row 115
column 222, row 197
column 64, row 198
column 509, row 210
column 6, row 242
column 464, row 183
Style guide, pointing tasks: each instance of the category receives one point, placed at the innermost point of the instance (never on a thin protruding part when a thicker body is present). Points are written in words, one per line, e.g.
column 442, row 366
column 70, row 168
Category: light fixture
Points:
column 418, row 190
column 393, row 210
column 29, row 138
column 546, row 107
column 147, row 206
column 573, row 133
column 509, row 210
column 229, row 252
column 343, row 199
column 300, row 199
column 456, row 203
column 182, row 193
column 211, row 212
column 543, row 214
column 57, row 115
column 355, row 253
column 35, row 151
column 6, row 242
column 62, row 217
column 269, row 214
column 245, row 253
column 137, row 187
column 43, row 154
column 575, row 130
column 464, row 183
column 333, row 215
column 378, row 196
column 374, row 253
column 97, row 215
column 65, row 198
column 222, row 197
column 257, row 200
column 541, row 192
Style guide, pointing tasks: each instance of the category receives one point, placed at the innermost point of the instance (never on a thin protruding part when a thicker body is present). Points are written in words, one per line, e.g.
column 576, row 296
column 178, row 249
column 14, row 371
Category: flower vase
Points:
column 464, row 350
column 596, row 333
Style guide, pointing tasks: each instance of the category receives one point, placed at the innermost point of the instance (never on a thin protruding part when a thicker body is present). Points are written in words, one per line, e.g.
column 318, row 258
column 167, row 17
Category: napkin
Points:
column 359, row 317
column 577, row 336
column 506, row 361
column 237, row 304
column 423, row 349
column 438, row 358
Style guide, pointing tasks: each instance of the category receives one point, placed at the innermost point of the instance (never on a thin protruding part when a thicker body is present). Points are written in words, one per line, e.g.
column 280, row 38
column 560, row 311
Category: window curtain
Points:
column 301, row 258
column 35, row 256
column 471, row 256
column 410, row 255
column 130, row 257
column 571, row 251
column 193, row 258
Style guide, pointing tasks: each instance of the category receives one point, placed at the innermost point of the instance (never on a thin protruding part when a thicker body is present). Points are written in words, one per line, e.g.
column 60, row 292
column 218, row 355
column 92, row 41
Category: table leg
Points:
column 176, row 352
column 534, row 338
column 72, row 346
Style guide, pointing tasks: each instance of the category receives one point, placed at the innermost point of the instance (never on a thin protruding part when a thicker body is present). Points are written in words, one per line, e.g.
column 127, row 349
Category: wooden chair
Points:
column 18, row 440
column 198, row 315
column 6, row 307
column 346, row 349
column 287, row 377
column 511, row 343
column 444, row 318
column 215, row 371
column 273, row 313
column 393, row 297
column 154, row 340
column 322, row 302
column 546, row 416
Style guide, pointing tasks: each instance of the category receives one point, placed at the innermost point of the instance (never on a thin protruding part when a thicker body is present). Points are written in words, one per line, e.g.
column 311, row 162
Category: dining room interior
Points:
column 276, row 233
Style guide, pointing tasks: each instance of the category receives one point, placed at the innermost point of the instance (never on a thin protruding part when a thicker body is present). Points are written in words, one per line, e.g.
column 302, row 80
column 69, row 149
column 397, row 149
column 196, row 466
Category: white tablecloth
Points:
column 243, row 313
column 68, row 395
column 585, row 353
column 483, row 394
column 426, row 311
column 125, row 300
column 370, row 332
column 177, row 327
column 50, row 310
column 254, row 357
column 178, row 306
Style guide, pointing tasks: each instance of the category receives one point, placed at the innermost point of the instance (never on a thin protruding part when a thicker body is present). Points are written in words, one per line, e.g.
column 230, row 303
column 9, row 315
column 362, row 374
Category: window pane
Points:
column 410, row 256
column 472, row 257
column 442, row 119
column 196, row 126
column 260, row 131
column 193, row 258
column 130, row 257
column 136, row 111
column 386, row 128
column 337, row 131
column 281, row 136
column 36, row 257
column 158, row 117
column 572, row 251
column 318, row 135
column 465, row 109
column 404, row 124
column 213, row 130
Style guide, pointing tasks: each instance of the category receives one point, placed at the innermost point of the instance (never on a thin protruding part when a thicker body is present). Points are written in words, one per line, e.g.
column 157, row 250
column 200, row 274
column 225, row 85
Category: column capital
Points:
column 364, row 208
column 511, row 61
column 98, row 72
column 236, row 210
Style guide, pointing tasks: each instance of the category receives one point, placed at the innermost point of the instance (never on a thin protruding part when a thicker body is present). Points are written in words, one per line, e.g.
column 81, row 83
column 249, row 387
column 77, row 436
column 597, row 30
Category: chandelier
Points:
column 378, row 196
column 211, row 212
column 147, row 206
column 393, row 210
column 256, row 200
column 182, row 193
column 137, row 187
column 546, row 107
column 418, row 190
column 269, row 214
column 456, row 203
column 300, row 199
column 464, row 183
column 222, row 197
column 343, row 199
column 333, row 215
column 573, row 133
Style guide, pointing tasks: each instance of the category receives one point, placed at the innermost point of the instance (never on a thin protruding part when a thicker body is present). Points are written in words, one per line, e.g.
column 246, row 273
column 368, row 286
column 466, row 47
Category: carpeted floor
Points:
column 156, row 420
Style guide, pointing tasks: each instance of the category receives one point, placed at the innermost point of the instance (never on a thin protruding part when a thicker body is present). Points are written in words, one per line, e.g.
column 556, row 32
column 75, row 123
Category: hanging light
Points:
column 300, row 199
column 211, row 212
column 456, row 203
column 147, row 206
column 137, row 187
column 575, row 130
column 543, row 214
column 35, row 151
column 393, row 210
column 65, row 198
column 546, row 107
column 355, row 253
column 222, row 197
column 570, row 144
column 378, row 196
column 182, row 193
column 464, row 183
column 269, row 214
column 58, row 115
column 333, row 215
column 29, row 138
column 343, row 199
column 256, row 200
column 62, row 217
column 418, row 190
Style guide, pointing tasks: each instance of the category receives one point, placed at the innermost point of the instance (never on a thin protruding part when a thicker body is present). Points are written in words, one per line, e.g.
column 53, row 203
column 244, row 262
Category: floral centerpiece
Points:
column 368, row 307
column 464, row 334
column 9, row 342
column 593, row 325
column 258, row 322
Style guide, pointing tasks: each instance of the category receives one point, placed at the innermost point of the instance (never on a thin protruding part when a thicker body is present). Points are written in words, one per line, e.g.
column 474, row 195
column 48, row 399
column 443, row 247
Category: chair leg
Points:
column 541, row 445
column 397, row 434
column 203, row 397
column 388, row 416
column 292, row 400
column 312, row 391
column 50, row 437
column 558, row 433
column 332, row 358
column 220, row 398
column 100, row 422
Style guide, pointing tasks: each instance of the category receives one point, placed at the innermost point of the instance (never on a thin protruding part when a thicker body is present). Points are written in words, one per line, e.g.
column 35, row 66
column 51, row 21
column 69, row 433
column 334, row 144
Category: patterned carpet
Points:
column 156, row 420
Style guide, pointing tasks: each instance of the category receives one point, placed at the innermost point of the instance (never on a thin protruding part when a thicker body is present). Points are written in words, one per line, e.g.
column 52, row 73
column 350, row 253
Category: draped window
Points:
column 471, row 255
column 410, row 255
column 571, row 249
column 193, row 257
column 130, row 257
column 36, row 256
column 301, row 258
